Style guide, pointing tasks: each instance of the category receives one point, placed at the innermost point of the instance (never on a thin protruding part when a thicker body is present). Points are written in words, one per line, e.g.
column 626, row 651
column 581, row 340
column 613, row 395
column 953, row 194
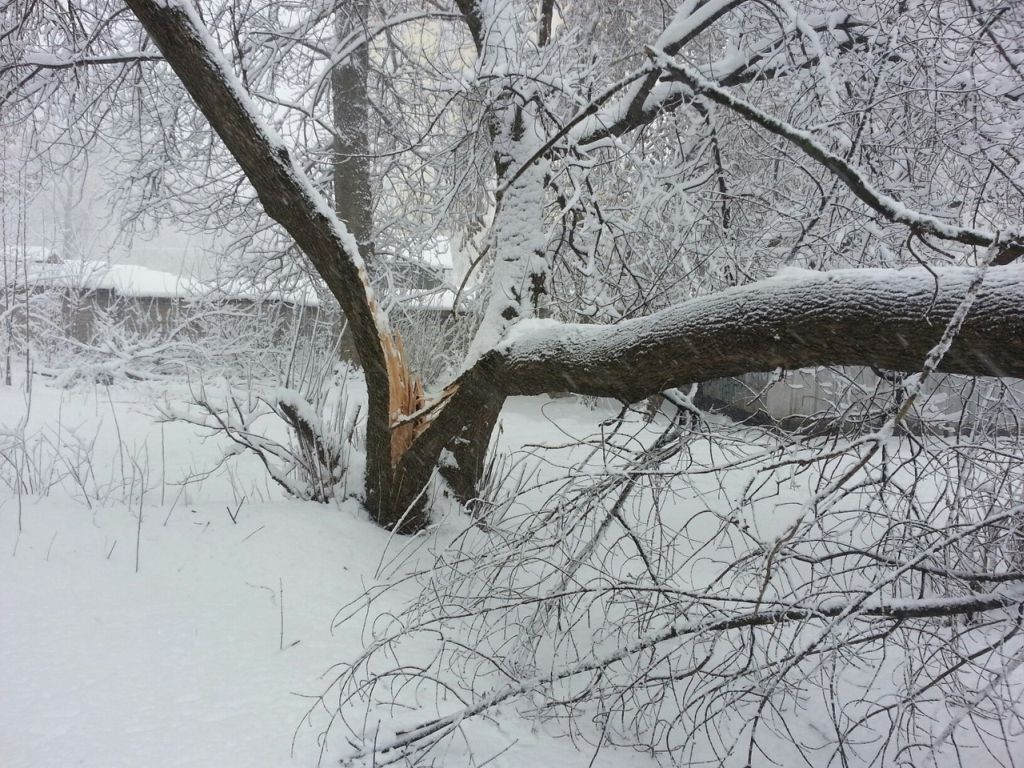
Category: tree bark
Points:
column 874, row 317
column 884, row 318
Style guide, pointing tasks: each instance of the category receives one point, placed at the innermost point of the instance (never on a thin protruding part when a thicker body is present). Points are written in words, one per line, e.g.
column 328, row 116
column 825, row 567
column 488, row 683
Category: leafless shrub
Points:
column 35, row 460
column 313, row 451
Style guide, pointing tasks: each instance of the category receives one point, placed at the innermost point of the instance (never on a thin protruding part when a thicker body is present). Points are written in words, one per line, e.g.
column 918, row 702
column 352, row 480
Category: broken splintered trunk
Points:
column 450, row 436
column 397, row 493
column 405, row 397
column 401, row 452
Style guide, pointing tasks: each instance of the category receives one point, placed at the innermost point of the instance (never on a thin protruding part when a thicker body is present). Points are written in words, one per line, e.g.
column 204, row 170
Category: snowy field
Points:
column 196, row 636
column 159, row 614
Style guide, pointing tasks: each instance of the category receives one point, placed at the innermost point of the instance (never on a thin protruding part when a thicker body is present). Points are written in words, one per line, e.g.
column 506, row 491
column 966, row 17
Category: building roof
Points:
column 44, row 268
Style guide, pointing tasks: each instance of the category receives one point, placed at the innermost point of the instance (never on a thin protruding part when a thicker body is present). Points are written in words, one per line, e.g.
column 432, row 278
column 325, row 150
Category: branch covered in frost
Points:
column 39, row 61
column 656, row 94
column 284, row 190
column 897, row 610
column 1011, row 242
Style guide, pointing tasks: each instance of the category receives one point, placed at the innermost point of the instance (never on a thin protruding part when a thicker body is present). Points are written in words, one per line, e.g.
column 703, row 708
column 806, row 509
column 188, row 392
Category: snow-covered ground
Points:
column 196, row 636
column 157, row 614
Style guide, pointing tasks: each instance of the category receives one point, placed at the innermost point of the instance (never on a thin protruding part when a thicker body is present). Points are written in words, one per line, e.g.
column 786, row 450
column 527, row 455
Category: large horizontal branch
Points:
column 871, row 317
column 1011, row 242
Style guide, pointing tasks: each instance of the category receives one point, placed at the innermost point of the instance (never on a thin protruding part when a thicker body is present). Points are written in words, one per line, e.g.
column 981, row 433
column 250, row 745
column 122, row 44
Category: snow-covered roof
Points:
column 124, row 279
column 244, row 289
column 46, row 268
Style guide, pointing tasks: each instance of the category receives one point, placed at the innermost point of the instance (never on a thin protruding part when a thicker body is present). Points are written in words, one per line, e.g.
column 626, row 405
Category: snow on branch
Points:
column 1010, row 241
column 655, row 95
column 885, row 318
column 40, row 61
column 649, row 96
column 289, row 197
column 879, row 608
column 283, row 188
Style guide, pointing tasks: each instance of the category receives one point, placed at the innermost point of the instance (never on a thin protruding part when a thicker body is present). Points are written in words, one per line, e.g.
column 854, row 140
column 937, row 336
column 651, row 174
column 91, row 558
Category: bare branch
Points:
column 898, row 611
column 40, row 62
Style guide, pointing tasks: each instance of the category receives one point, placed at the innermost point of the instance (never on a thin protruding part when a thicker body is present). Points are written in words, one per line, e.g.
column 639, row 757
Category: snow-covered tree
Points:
column 643, row 196
column 669, row 178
